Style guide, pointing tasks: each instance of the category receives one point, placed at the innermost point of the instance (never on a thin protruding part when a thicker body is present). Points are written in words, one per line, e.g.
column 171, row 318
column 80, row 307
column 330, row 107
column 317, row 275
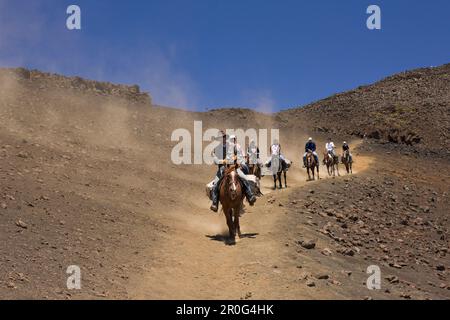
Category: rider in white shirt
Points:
column 329, row 147
column 253, row 154
column 276, row 149
column 236, row 150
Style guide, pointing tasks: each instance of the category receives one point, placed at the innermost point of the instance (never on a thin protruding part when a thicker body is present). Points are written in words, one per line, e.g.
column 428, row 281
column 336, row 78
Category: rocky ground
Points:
column 86, row 179
column 395, row 218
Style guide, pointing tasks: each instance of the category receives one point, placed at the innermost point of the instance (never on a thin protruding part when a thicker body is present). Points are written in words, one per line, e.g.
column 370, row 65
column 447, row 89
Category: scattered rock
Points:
column 346, row 252
column 23, row 155
column 392, row 279
column 310, row 283
column 21, row 224
column 405, row 295
column 310, row 244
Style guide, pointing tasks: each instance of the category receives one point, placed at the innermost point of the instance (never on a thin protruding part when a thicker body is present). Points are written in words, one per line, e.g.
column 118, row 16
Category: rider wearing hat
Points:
column 253, row 153
column 329, row 147
column 229, row 153
column 346, row 147
column 310, row 146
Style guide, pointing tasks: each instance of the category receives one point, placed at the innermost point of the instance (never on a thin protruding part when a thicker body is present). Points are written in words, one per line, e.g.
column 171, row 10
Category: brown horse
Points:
column 332, row 163
column 311, row 165
column 347, row 161
column 232, row 198
column 254, row 169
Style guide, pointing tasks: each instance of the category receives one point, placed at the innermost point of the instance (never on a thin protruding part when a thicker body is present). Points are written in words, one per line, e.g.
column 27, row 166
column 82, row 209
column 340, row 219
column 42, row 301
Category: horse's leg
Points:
column 337, row 168
column 228, row 214
column 274, row 182
column 318, row 177
column 285, row 180
column 237, row 227
column 279, row 180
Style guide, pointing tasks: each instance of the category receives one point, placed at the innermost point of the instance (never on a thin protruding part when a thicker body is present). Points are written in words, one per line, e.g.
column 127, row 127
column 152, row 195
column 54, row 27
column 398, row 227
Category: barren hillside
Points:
column 411, row 108
column 86, row 179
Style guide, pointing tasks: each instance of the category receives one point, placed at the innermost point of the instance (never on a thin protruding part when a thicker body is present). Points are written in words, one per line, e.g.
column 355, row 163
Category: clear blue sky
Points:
column 202, row 54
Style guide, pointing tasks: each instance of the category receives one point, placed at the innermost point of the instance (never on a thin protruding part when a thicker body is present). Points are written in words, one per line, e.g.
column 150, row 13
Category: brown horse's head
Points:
column 231, row 182
column 310, row 160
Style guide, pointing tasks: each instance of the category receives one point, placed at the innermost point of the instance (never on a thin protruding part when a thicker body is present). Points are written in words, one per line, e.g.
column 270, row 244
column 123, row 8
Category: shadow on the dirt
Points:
column 228, row 241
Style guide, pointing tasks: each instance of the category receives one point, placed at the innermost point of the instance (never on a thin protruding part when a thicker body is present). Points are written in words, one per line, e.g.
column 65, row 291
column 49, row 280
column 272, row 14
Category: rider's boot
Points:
column 215, row 197
column 248, row 192
column 304, row 162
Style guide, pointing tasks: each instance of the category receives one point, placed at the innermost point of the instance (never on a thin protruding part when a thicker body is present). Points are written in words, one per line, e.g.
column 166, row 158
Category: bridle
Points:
column 231, row 183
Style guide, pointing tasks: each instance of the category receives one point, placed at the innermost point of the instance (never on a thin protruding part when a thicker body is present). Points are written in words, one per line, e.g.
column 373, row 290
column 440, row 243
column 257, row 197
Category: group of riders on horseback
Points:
column 230, row 153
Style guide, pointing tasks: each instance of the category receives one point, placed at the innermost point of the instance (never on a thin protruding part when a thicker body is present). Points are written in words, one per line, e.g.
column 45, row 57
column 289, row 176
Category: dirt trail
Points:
column 197, row 263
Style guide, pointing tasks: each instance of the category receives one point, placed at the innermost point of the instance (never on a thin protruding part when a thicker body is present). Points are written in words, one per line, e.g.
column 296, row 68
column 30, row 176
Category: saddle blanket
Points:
column 252, row 180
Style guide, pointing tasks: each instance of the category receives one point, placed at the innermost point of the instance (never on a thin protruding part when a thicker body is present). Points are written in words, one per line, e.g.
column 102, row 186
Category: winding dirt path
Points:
column 196, row 262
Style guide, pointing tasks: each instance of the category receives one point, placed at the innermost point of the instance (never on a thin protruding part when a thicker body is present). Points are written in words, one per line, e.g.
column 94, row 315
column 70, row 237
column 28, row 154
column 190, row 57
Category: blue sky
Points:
column 198, row 54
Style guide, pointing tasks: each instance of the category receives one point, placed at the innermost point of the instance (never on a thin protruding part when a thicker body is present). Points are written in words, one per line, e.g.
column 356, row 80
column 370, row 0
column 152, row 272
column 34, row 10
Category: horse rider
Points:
column 346, row 148
column 276, row 149
column 310, row 146
column 233, row 141
column 253, row 153
column 330, row 148
column 229, row 153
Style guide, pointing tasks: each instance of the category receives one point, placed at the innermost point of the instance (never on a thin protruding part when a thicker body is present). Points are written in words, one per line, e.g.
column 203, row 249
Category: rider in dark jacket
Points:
column 310, row 145
column 346, row 147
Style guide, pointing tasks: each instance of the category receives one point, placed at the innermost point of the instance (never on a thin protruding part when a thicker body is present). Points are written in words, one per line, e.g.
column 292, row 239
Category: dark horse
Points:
column 232, row 198
column 347, row 161
column 311, row 165
column 279, row 166
column 254, row 169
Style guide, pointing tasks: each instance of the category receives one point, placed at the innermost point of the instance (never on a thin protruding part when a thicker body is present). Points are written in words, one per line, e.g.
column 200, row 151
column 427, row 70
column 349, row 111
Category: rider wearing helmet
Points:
column 310, row 146
column 329, row 147
column 346, row 147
